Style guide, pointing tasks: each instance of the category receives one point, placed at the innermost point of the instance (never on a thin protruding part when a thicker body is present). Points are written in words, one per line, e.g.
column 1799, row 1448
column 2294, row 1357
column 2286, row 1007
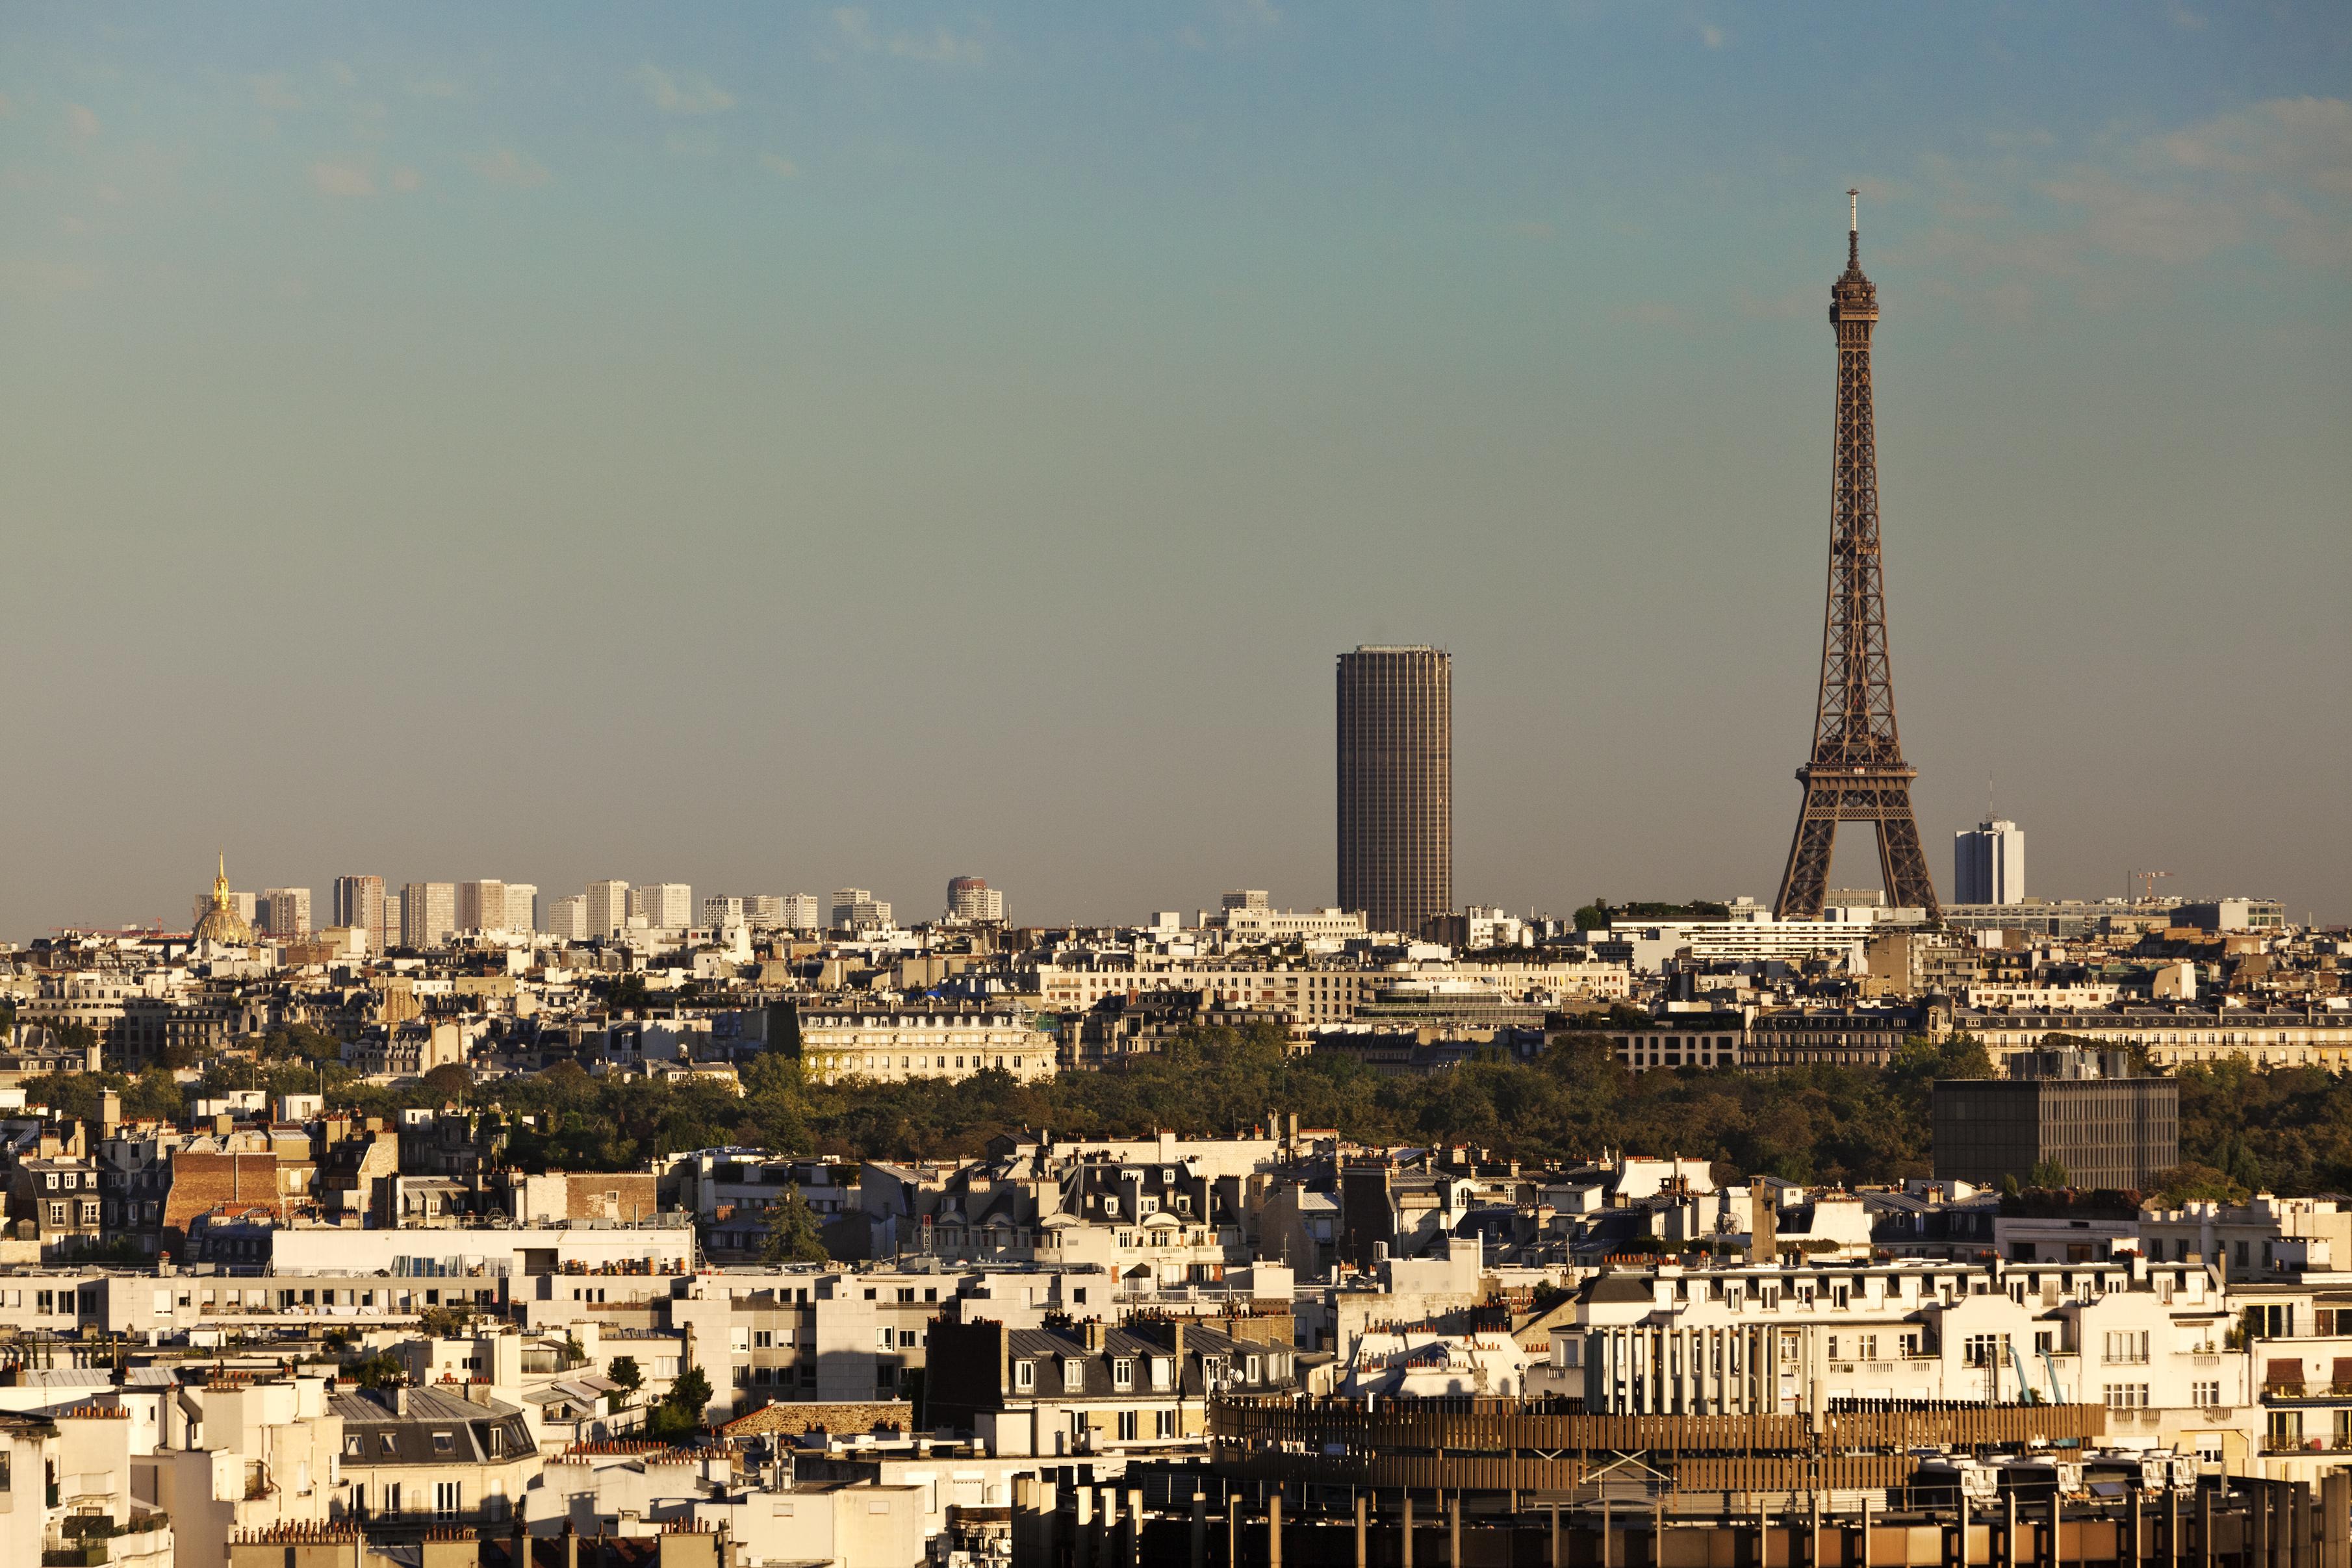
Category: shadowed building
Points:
column 1396, row 786
column 2081, row 1110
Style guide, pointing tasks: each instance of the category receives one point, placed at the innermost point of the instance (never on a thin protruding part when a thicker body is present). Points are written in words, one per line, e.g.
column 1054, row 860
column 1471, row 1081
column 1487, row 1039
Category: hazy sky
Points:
column 774, row 448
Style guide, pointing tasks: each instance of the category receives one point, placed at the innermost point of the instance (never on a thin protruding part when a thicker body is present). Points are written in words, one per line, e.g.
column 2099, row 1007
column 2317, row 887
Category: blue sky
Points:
column 782, row 447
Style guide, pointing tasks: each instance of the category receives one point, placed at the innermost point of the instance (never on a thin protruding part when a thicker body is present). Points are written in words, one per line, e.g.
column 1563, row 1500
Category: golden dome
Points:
column 222, row 924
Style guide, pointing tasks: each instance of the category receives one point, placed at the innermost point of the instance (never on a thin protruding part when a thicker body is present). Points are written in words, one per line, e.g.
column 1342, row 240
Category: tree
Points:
column 678, row 1416
column 2048, row 1173
column 627, row 1379
column 448, row 1081
column 793, row 1235
column 378, row 1370
column 2192, row 1183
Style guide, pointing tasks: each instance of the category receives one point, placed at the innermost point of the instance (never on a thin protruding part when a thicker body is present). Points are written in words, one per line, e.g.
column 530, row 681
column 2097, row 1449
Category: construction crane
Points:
column 2144, row 883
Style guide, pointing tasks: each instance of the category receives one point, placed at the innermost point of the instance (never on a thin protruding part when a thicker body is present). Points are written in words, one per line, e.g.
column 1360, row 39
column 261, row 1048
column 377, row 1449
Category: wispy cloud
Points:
column 683, row 92
column 776, row 164
column 941, row 45
column 81, row 120
column 276, row 92
column 331, row 179
column 1712, row 36
column 506, row 166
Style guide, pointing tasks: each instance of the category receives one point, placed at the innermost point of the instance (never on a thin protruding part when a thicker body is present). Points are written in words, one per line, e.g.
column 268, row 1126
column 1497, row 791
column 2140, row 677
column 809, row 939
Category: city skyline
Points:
column 770, row 451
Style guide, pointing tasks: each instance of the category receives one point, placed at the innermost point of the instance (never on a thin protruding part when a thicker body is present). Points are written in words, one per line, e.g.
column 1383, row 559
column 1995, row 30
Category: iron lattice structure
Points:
column 1857, row 773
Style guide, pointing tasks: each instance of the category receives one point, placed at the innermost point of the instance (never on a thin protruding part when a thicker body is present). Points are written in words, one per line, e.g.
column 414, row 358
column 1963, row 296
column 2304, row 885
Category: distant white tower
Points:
column 1988, row 864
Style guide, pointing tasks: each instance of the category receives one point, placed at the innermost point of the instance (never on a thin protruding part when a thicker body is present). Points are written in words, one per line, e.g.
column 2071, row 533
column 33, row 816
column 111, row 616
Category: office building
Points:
column 1988, row 864
column 803, row 912
column 666, row 905
column 481, row 907
column 1396, row 785
column 970, row 898
column 608, row 908
column 2084, row 1111
column 1246, row 898
column 428, row 913
column 567, row 918
column 856, row 909
column 763, row 909
column 359, row 902
column 720, row 910
column 522, row 908
column 285, row 911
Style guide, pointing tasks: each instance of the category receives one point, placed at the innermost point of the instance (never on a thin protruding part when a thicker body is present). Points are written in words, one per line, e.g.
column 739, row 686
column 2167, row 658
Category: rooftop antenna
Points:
column 1854, row 226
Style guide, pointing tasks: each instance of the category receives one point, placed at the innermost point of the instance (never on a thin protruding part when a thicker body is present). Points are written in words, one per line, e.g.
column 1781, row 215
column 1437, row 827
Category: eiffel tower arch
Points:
column 1856, row 772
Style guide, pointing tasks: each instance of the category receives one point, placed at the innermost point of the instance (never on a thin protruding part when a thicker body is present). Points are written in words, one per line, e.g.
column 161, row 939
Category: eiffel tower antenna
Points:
column 1856, row 772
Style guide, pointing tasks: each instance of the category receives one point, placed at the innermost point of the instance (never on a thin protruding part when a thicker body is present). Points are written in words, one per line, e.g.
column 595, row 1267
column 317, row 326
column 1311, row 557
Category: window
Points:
column 445, row 1498
column 353, row 1448
column 1985, row 1349
column 906, row 1338
column 444, row 1442
column 2205, row 1393
column 763, row 1339
column 1163, row 1423
column 1866, row 1346
column 390, row 1443
column 1074, row 1375
column 1126, row 1425
column 2127, row 1395
column 1024, row 1376
column 2127, row 1345
column 1123, row 1373
column 1833, row 1347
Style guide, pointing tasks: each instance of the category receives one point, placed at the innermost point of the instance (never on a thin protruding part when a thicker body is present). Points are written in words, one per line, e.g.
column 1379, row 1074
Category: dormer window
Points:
column 1074, row 1375
column 1110, row 1205
column 1164, row 1372
column 1123, row 1373
column 1024, row 1376
column 1249, row 1372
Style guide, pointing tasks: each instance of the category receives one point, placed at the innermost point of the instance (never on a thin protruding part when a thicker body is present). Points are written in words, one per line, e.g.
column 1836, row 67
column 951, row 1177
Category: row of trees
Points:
column 2288, row 1130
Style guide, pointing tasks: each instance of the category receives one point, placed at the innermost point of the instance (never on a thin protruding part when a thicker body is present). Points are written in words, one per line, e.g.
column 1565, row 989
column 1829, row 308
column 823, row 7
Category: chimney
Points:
column 1093, row 1331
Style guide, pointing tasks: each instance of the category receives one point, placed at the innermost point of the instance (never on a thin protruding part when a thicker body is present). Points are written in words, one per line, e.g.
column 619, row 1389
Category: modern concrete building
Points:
column 428, row 913
column 971, row 898
column 1396, row 785
column 285, row 911
column 856, row 909
column 1988, row 864
column 802, row 912
column 567, row 917
column 666, row 905
column 360, row 904
column 608, row 907
column 2081, row 1110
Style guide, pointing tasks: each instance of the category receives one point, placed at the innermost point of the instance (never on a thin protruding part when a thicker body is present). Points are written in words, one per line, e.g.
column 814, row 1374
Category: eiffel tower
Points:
column 1857, row 773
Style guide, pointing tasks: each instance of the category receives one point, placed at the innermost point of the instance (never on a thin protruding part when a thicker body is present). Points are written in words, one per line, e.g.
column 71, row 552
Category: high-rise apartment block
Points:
column 567, row 918
column 720, row 910
column 522, row 908
column 428, row 913
column 666, row 905
column 608, row 907
column 803, row 912
column 481, row 907
column 360, row 904
column 1396, row 785
column 971, row 898
column 285, row 911
column 1988, row 864
column 856, row 909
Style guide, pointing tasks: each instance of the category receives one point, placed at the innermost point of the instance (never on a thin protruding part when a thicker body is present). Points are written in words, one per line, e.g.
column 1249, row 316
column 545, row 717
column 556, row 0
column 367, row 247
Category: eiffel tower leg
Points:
column 1807, row 877
column 1902, row 860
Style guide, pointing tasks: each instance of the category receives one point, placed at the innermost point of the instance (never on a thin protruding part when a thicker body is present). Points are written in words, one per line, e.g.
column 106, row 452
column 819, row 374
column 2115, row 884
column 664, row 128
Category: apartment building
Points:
column 894, row 1044
column 428, row 913
column 1089, row 1389
column 663, row 905
column 608, row 908
column 284, row 912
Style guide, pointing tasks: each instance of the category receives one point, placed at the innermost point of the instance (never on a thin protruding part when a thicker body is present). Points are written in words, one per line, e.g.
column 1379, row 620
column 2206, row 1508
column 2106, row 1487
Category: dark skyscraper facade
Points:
column 1396, row 785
